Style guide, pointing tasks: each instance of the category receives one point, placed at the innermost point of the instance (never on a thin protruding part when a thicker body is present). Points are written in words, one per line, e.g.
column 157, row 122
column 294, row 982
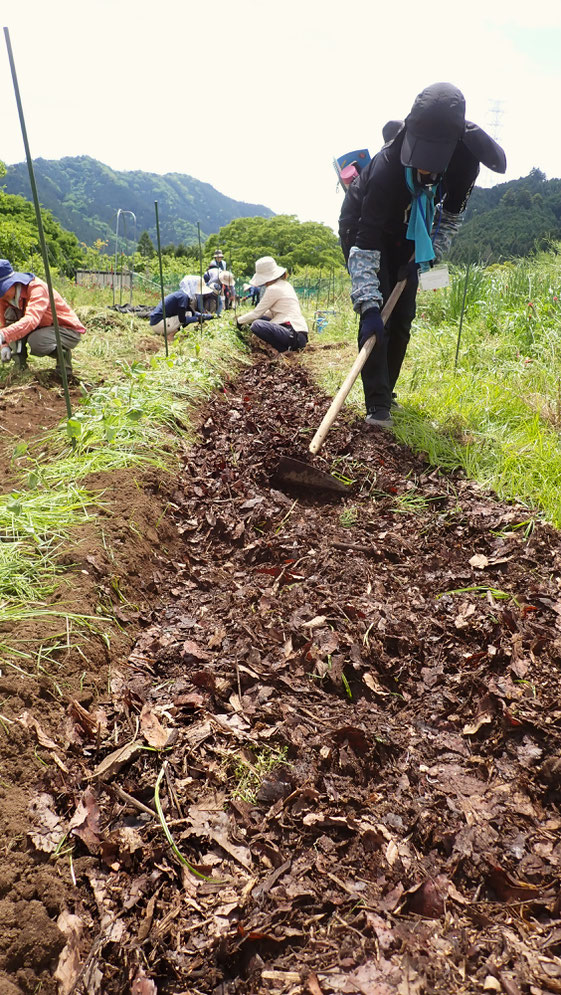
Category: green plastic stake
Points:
column 200, row 273
column 161, row 276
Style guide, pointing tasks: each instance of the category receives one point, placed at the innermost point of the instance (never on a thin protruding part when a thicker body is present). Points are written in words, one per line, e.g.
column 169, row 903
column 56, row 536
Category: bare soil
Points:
column 350, row 707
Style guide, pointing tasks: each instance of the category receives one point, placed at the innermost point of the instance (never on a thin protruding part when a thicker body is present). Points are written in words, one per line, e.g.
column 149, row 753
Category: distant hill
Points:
column 510, row 220
column 84, row 196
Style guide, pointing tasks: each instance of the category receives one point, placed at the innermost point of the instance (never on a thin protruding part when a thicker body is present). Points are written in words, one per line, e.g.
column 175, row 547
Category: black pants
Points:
column 283, row 338
column 383, row 366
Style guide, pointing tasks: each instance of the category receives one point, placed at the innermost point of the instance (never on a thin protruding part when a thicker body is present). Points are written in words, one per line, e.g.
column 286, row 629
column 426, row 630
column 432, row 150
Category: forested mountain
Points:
column 511, row 219
column 19, row 237
column 84, row 196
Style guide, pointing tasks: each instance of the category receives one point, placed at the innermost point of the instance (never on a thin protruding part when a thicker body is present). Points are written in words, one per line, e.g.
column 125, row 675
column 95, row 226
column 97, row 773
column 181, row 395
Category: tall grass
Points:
column 498, row 415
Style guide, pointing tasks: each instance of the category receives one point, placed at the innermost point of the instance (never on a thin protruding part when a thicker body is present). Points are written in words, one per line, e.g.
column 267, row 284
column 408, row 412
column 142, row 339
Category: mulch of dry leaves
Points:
column 351, row 710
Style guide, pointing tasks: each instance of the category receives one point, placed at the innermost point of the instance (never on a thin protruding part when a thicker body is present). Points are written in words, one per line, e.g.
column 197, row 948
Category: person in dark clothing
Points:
column 252, row 294
column 178, row 314
column 401, row 214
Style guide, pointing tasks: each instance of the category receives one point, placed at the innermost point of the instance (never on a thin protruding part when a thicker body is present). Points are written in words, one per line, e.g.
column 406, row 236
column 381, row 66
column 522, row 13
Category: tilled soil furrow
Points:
column 352, row 707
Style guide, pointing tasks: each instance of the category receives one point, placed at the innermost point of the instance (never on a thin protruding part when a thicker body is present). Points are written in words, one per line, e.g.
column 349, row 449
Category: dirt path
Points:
column 352, row 710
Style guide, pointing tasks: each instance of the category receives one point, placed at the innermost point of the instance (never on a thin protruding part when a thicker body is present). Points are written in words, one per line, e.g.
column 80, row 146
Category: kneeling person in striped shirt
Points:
column 26, row 319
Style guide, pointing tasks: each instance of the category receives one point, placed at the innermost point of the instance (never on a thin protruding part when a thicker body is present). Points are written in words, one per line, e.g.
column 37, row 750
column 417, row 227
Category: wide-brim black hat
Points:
column 433, row 128
column 484, row 148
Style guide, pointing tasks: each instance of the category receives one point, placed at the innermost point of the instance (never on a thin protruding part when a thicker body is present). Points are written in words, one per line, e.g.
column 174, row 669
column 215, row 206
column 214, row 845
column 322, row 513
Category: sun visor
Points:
column 484, row 148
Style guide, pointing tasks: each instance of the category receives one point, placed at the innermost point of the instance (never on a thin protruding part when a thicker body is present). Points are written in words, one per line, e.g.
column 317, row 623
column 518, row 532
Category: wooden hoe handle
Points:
column 341, row 395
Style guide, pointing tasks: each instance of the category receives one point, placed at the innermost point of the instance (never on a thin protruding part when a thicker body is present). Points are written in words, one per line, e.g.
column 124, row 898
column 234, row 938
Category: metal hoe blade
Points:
column 293, row 471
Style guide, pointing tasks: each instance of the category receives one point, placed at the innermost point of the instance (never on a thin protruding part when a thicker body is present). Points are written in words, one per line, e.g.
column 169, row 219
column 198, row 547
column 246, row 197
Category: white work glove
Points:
column 5, row 351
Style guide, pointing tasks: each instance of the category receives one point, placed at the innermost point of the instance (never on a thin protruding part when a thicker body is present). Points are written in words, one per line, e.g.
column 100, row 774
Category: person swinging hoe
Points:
column 411, row 203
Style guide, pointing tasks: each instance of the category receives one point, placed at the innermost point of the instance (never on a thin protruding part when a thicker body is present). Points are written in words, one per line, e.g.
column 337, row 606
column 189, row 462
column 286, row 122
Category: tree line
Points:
column 510, row 220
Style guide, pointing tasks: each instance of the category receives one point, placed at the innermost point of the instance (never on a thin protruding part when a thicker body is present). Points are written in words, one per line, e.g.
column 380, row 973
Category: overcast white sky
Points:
column 256, row 97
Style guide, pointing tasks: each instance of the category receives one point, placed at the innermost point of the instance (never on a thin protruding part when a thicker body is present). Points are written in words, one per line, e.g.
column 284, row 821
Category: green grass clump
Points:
column 33, row 526
column 248, row 774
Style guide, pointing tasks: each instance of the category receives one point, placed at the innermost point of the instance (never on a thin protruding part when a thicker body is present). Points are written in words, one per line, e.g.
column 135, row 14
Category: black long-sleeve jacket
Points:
column 375, row 214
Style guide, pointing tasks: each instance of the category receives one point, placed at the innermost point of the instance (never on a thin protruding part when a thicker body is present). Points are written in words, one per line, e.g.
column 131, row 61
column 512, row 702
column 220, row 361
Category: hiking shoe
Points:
column 379, row 418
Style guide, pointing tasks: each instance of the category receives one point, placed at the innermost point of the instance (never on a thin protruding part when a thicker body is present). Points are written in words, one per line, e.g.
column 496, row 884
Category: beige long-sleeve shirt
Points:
column 280, row 304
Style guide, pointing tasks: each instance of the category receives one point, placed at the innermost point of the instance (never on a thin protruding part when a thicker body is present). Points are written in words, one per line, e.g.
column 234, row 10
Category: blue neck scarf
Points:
column 420, row 218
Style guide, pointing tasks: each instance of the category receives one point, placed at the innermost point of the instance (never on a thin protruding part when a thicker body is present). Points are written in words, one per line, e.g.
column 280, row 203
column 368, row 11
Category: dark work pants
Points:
column 279, row 336
column 382, row 368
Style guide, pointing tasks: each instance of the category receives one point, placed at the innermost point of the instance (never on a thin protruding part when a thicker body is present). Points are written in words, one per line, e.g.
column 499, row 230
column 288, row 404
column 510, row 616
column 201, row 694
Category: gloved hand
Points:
column 5, row 353
column 408, row 271
column 370, row 324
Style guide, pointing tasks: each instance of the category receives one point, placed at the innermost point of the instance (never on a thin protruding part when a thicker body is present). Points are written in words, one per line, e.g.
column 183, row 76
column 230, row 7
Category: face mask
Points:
column 426, row 179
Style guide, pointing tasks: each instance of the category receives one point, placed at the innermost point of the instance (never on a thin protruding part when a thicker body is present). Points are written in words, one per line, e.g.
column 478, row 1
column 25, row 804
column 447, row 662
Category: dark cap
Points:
column 434, row 127
column 9, row 276
column 391, row 129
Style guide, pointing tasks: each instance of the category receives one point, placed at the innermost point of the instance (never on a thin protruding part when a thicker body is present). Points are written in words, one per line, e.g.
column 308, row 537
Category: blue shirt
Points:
column 177, row 304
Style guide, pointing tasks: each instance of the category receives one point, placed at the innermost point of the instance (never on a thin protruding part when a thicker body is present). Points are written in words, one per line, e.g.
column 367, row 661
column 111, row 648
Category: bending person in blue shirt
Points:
column 178, row 314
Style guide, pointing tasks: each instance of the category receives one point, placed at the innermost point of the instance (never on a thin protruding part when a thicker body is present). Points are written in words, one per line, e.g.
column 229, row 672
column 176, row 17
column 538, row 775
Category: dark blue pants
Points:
column 382, row 368
column 281, row 337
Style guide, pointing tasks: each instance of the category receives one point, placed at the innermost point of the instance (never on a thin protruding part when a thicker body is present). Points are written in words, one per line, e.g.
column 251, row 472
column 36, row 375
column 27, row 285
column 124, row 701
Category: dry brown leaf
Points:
column 374, row 685
column 479, row 561
column 142, row 985
column 313, row 986
column 491, row 984
column 31, row 723
column 392, row 853
column 315, row 622
column 192, row 651
column 484, row 719
column 112, row 764
column 85, row 821
column 48, row 829
column 152, row 729
column 465, row 613
column 68, row 967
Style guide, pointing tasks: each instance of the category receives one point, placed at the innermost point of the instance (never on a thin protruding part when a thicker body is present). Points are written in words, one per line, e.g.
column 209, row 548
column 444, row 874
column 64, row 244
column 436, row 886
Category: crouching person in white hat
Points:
column 277, row 319
column 202, row 297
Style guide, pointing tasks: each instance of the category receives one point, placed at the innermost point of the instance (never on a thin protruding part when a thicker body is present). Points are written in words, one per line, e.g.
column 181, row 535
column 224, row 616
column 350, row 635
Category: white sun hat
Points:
column 226, row 278
column 266, row 269
column 192, row 285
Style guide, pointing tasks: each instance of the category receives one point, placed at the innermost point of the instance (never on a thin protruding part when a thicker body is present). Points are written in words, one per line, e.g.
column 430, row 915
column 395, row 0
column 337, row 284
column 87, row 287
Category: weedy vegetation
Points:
column 496, row 415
